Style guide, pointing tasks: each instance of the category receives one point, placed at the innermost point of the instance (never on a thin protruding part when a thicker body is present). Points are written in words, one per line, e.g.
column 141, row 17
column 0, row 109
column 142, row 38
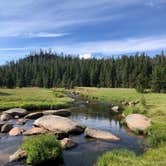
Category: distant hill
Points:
column 47, row 69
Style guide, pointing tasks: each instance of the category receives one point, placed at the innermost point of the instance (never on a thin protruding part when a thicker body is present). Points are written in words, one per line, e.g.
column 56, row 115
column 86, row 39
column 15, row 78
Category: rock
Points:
column 137, row 122
column 57, row 123
column 131, row 103
column 15, row 131
column 21, row 121
column 61, row 134
column 5, row 117
column 68, row 143
column 16, row 112
column 99, row 134
column 6, row 128
column 34, row 115
column 35, row 131
column 125, row 103
column 1, row 124
column 60, row 112
column 18, row 155
column 115, row 109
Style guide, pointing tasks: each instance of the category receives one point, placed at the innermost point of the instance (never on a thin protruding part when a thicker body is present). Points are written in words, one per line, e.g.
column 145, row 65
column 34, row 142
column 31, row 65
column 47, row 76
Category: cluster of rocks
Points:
column 135, row 122
column 49, row 121
column 56, row 121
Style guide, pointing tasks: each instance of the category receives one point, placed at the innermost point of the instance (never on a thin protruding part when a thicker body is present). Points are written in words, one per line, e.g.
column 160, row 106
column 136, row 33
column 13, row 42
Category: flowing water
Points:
column 85, row 154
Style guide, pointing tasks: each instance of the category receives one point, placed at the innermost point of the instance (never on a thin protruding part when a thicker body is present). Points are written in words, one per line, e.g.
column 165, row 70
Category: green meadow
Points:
column 33, row 98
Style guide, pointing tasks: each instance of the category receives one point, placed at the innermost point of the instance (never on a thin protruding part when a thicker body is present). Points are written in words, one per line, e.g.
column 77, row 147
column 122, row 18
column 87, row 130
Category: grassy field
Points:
column 155, row 106
column 33, row 98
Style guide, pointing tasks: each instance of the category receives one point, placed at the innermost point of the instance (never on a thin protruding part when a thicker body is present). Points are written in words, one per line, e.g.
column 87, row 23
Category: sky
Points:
column 85, row 28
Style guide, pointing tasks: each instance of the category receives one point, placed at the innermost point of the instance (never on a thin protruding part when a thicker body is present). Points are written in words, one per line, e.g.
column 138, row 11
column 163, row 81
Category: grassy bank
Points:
column 33, row 98
column 152, row 105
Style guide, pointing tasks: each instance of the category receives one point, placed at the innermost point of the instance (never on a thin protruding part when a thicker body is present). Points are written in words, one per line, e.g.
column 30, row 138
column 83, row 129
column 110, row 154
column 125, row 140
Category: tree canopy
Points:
column 47, row 69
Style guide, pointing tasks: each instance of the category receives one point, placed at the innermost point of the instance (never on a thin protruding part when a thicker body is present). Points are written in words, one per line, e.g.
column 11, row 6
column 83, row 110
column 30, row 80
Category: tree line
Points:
column 47, row 69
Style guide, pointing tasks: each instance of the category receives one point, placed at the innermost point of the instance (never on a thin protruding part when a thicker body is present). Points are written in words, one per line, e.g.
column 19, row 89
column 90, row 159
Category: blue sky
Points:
column 89, row 27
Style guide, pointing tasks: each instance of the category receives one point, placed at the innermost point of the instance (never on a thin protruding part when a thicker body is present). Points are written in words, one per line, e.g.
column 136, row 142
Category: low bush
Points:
column 42, row 148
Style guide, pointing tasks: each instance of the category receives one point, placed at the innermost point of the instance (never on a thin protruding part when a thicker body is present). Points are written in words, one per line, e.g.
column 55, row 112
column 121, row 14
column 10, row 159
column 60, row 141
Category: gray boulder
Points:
column 15, row 131
column 34, row 115
column 57, row 123
column 18, row 155
column 5, row 117
column 99, row 134
column 16, row 112
column 35, row 131
column 68, row 143
column 60, row 112
column 137, row 122
column 6, row 128
column 115, row 109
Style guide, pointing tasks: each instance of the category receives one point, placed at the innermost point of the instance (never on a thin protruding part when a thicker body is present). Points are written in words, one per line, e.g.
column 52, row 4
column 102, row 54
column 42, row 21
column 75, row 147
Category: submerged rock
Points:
column 5, row 117
column 99, row 134
column 6, row 128
column 15, row 131
column 137, row 122
column 56, row 123
column 35, row 131
column 60, row 112
column 34, row 115
column 16, row 112
column 21, row 121
column 18, row 155
column 68, row 143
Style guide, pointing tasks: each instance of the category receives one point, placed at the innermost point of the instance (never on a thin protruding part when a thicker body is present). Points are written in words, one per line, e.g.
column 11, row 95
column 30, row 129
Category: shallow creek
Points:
column 92, row 115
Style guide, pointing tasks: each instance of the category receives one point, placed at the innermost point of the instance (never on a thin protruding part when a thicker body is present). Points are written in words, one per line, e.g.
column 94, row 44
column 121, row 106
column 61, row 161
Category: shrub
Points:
column 134, row 109
column 41, row 148
column 156, row 134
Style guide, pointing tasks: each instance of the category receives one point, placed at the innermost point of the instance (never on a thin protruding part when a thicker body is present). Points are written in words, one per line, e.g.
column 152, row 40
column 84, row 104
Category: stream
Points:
column 93, row 115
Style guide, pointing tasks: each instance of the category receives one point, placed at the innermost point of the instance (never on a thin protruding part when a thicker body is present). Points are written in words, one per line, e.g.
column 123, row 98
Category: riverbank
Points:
column 155, row 109
column 33, row 98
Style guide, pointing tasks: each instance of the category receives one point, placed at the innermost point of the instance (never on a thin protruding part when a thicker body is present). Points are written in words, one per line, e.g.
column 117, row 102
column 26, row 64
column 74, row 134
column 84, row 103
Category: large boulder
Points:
column 18, row 155
column 6, row 128
column 137, row 122
column 16, row 112
column 60, row 112
column 57, row 123
column 68, row 143
column 15, row 131
column 34, row 115
column 99, row 134
column 5, row 117
column 35, row 131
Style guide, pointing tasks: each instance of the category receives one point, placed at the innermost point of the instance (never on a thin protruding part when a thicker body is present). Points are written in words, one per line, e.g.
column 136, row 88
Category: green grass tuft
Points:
column 41, row 148
column 153, row 157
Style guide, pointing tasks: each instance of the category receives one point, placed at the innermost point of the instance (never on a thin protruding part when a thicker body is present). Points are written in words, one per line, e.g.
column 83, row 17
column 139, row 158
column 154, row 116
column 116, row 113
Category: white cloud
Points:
column 86, row 49
column 115, row 46
column 34, row 35
column 86, row 55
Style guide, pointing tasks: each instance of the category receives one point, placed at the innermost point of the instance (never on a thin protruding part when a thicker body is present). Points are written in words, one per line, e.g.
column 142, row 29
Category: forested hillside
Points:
column 46, row 69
